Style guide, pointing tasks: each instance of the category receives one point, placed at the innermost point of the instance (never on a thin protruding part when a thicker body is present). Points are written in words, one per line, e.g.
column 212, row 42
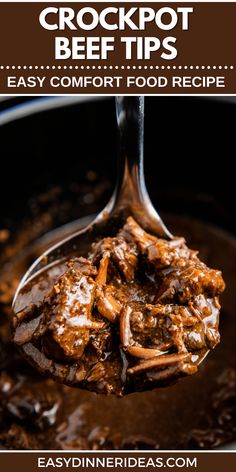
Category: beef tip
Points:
column 100, row 249
column 208, row 310
column 168, row 253
column 30, row 330
column 184, row 328
column 68, row 311
column 205, row 333
column 123, row 254
column 132, row 232
column 160, row 252
column 82, row 265
column 188, row 280
column 164, row 325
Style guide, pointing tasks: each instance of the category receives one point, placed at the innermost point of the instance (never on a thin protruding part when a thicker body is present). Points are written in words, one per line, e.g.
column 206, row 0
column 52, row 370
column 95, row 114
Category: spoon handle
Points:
column 130, row 196
column 130, row 186
column 130, row 121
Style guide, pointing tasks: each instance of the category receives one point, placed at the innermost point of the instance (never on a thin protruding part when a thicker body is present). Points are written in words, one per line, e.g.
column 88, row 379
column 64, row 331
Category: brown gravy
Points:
column 37, row 413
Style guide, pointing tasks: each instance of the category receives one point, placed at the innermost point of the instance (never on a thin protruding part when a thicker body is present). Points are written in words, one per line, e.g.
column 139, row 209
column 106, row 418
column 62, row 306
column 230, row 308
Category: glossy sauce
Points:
column 201, row 409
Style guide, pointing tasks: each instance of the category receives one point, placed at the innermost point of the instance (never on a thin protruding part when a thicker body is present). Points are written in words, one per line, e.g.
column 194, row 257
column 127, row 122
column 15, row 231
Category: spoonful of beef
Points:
column 121, row 306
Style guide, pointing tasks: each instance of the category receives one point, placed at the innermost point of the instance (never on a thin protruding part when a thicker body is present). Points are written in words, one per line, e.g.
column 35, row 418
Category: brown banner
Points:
column 106, row 461
column 141, row 48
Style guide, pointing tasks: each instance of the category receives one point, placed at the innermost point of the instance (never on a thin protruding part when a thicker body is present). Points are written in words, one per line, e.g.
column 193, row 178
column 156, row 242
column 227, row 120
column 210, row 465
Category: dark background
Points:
column 189, row 158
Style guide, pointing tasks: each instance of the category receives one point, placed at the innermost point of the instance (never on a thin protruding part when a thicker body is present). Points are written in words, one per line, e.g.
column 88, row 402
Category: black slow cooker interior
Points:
column 189, row 144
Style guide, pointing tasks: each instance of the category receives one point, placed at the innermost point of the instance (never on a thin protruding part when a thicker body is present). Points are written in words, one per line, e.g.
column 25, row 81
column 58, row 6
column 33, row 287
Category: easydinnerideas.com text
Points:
column 116, row 462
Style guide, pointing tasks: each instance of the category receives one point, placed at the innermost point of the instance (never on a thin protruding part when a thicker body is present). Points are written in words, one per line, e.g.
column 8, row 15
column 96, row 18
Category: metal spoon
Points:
column 130, row 197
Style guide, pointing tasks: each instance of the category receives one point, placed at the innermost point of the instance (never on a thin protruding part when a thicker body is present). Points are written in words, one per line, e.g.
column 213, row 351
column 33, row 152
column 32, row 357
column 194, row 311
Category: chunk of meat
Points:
column 82, row 265
column 168, row 253
column 30, row 330
column 68, row 311
column 188, row 280
column 132, row 232
column 184, row 328
column 123, row 254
